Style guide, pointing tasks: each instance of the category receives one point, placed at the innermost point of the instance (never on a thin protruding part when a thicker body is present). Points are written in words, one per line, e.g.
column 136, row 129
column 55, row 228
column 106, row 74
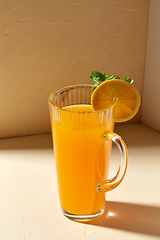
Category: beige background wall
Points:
column 151, row 92
column 47, row 44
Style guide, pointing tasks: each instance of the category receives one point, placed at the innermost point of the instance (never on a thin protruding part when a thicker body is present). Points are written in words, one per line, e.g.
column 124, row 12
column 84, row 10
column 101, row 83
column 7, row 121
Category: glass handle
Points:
column 110, row 184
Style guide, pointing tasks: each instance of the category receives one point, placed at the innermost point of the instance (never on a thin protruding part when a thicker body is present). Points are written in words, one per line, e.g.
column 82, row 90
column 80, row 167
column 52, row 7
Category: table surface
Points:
column 29, row 204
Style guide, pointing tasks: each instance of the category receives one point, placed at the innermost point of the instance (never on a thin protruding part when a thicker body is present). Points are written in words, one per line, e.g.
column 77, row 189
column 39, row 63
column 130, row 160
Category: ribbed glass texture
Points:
column 82, row 154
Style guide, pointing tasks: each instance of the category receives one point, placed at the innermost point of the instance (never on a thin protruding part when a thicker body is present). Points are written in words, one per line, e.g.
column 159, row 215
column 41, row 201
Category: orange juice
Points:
column 82, row 158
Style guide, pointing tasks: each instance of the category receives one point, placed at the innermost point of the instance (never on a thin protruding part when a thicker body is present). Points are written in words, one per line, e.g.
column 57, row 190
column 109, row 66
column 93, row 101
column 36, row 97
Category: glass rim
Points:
column 55, row 93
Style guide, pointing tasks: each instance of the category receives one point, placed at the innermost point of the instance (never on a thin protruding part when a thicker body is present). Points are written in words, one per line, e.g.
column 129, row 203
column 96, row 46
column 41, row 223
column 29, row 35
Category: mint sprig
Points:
column 130, row 80
column 98, row 78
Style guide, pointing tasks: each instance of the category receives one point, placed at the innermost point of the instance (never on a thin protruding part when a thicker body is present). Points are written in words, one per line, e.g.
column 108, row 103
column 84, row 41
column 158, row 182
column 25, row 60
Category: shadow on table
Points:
column 43, row 141
column 136, row 135
column 130, row 217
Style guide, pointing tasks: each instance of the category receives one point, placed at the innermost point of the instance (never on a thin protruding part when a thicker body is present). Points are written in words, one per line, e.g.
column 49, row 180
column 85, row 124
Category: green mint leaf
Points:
column 98, row 75
column 95, row 79
column 109, row 77
column 130, row 80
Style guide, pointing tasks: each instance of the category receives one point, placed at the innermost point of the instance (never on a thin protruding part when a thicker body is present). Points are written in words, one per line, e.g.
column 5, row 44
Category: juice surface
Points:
column 82, row 159
column 79, row 108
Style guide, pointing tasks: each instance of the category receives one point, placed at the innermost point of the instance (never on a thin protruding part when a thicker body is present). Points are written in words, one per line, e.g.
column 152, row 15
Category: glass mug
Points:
column 82, row 140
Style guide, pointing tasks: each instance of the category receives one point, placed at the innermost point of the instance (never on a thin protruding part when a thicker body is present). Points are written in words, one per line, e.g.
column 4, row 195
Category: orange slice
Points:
column 125, row 95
